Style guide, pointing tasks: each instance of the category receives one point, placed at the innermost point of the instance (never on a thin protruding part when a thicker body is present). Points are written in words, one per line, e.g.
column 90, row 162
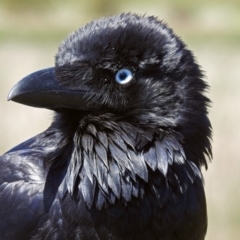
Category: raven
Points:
column 122, row 158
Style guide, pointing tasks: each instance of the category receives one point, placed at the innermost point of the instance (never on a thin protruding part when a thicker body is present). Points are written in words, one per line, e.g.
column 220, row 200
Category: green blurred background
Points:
column 31, row 30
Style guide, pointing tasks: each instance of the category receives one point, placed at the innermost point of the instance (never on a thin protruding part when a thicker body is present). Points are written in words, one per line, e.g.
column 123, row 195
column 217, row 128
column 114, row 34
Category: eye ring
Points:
column 123, row 76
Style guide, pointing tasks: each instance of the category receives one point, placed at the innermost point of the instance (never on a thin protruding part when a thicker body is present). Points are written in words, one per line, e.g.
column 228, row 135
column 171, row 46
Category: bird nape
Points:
column 122, row 158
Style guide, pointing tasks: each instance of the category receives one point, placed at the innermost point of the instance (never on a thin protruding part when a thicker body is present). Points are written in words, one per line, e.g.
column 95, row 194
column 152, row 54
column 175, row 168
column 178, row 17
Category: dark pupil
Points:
column 122, row 75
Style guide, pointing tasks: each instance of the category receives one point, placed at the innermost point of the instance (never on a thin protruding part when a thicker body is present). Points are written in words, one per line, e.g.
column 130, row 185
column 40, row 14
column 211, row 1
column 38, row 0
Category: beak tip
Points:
column 15, row 92
column 9, row 97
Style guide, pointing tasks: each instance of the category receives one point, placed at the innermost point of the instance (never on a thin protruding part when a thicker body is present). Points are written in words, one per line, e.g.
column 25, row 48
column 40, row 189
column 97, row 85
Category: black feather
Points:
column 121, row 160
column 151, row 158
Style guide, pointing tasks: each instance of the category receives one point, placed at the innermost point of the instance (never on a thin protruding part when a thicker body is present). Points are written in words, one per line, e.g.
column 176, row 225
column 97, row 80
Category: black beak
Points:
column 41, row 89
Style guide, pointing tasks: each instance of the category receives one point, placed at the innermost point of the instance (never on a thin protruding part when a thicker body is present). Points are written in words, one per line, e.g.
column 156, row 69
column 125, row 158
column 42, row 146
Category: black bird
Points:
column 122, row 158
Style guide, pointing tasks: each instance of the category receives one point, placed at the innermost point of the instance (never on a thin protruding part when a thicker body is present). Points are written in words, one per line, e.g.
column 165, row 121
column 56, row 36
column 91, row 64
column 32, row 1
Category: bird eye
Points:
column 123, row 76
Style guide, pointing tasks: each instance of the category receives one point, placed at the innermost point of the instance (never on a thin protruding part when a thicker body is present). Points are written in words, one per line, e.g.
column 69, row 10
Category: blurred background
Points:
column 31, row 30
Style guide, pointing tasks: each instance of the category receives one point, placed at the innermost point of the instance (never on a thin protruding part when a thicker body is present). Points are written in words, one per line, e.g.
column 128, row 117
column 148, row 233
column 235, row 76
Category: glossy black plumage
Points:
column 118, row 161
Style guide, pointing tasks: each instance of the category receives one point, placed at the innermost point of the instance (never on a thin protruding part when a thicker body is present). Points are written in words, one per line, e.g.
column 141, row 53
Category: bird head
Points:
column 133, row 67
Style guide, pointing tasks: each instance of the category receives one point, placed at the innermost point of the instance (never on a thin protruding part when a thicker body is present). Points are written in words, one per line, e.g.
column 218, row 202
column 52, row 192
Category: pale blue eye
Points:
column 123, row 76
